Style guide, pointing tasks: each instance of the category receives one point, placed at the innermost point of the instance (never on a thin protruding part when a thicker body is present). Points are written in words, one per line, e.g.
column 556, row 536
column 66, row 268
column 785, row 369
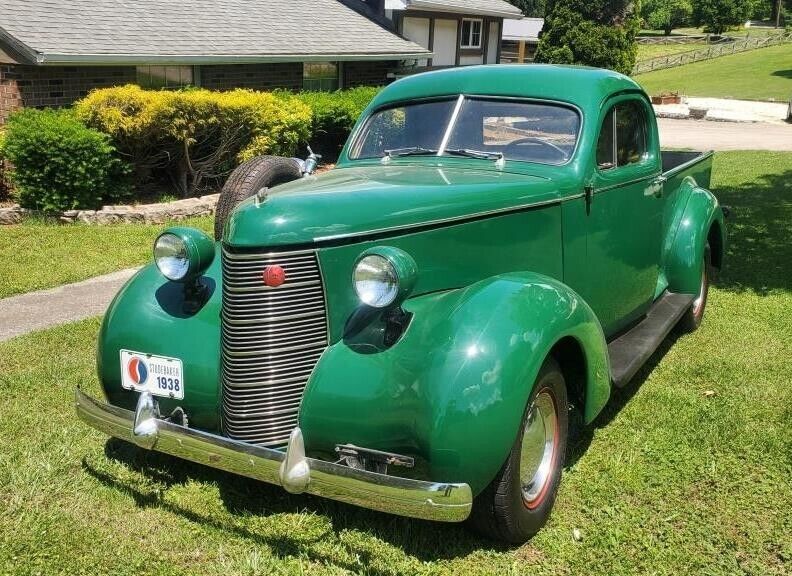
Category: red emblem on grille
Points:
column 274, row 276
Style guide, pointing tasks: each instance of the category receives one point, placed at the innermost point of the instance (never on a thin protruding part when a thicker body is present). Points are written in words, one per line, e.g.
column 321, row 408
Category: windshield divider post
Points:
column 451, row 125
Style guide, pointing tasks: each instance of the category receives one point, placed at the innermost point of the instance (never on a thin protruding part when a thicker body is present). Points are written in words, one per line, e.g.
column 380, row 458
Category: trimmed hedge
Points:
column 195, row 136
column 334, row 116
column 59, row 164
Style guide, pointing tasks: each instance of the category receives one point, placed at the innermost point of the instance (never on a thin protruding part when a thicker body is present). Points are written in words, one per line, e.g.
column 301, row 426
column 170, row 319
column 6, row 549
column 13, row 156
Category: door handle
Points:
column 657, row 186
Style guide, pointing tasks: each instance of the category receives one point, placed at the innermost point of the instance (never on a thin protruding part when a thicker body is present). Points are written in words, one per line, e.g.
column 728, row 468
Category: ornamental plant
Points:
column 59, row 164
column 195, row 137
column 333, row 115
column 598, row 33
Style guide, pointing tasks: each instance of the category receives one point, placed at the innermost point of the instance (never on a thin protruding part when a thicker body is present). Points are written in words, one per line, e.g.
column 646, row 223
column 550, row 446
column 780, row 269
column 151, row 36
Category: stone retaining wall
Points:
column 141, row 213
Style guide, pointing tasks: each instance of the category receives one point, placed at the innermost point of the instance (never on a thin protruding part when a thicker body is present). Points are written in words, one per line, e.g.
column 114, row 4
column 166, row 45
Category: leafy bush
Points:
column 717, row 16
column 666, row 15
column 333, row 116
column 195, row 136
column 4, row 184
column 597, row 33
column 60, row 164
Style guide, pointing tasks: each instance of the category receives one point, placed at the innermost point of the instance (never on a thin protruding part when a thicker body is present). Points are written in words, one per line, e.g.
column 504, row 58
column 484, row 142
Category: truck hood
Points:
column 346, row 203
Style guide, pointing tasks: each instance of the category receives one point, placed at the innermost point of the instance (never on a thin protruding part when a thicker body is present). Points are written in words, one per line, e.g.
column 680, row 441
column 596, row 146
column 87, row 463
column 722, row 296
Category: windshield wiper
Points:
column 410, row 151
column 474, row 153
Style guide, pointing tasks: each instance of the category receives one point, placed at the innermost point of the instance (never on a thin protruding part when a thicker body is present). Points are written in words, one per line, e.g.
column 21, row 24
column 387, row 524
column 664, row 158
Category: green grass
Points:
column 762, row 74
column 40, row 254
column 649, row 51
column 671, row 480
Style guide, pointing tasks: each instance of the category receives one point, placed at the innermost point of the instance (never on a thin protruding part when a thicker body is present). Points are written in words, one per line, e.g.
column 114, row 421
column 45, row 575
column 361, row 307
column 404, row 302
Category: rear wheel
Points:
column 517, row 503
column 248, row 179
column 695, row 314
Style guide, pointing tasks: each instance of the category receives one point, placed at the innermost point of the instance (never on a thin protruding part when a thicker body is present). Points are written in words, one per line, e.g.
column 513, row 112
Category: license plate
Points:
column 159, row 375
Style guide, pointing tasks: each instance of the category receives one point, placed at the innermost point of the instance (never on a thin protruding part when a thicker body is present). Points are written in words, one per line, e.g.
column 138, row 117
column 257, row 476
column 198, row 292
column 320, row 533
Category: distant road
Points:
column 709, row 135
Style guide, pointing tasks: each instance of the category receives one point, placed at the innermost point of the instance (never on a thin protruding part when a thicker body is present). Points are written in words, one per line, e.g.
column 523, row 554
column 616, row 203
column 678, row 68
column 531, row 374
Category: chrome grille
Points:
column 271, row 339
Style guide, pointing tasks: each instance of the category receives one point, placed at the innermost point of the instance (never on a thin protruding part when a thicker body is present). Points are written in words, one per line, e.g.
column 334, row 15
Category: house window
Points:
column 471, row 33
column 321, row 76
column 167, row 77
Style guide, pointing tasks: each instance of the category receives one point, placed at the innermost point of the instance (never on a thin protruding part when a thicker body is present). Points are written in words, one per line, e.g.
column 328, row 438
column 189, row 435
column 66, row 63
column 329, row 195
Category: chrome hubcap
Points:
column 539, row 446
column 698, row 303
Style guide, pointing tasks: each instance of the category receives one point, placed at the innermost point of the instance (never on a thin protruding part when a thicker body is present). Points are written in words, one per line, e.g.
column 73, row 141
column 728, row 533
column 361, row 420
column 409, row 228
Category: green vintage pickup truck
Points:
column 415, row 330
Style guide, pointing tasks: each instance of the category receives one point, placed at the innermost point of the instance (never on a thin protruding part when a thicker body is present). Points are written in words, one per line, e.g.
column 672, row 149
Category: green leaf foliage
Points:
column 531, row 8
column 60, row 164
column 599, row 33
column 666, row 15
column 720, row 15
column 334, row 114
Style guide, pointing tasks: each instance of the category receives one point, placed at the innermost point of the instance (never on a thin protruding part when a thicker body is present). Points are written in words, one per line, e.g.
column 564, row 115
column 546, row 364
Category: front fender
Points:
column 687, row 238
column 453, row 390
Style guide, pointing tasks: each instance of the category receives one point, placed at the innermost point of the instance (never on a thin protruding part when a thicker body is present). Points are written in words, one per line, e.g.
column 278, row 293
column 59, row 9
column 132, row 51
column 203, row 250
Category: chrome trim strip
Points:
column 438, row 501
column 623, row 184
column 452, row 220
column 451, row 125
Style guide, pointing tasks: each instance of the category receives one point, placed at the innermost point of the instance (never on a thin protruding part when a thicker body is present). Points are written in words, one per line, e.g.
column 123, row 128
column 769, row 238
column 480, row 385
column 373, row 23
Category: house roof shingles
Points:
column 499, row 8
column 195, row 31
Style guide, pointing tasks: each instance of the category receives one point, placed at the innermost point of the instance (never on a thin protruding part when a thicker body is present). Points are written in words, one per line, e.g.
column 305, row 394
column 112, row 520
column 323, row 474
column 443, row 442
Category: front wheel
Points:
column 517, row 503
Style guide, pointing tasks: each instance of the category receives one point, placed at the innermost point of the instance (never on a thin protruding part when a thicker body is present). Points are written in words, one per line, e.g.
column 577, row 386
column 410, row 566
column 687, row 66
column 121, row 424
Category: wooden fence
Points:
column 711, row 51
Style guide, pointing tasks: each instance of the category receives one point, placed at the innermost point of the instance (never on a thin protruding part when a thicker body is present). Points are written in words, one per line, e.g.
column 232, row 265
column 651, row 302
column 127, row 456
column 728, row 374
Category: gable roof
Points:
column 495, row 8
column 194, row 32
column 525, row 29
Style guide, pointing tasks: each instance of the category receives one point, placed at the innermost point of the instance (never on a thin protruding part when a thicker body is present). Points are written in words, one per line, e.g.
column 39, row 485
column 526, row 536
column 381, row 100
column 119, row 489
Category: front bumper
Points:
column 292, row 470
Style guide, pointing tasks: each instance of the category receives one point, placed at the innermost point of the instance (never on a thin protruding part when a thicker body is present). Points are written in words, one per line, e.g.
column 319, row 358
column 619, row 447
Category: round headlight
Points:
column 384, row 276
column 376, row 282
column 170, row 254
column 183, row 253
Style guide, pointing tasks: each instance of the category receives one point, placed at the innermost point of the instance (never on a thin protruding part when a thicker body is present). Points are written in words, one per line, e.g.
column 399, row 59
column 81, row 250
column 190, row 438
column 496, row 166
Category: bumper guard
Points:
column 443, row 502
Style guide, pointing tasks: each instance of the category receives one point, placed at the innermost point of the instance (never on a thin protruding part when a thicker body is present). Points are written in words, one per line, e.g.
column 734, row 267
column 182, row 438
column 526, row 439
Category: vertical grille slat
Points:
column 272, row 338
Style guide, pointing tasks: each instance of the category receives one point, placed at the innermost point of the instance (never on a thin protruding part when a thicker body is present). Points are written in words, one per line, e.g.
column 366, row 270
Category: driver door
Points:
column 625, row 215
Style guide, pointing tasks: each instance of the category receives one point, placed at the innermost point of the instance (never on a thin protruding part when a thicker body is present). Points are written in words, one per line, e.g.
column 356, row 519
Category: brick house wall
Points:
column 253, row 76
column 367, row 73
column 54, row 86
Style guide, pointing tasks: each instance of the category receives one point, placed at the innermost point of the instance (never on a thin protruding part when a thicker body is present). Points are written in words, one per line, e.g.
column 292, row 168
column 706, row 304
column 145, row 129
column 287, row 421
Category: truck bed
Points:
column 677, row 165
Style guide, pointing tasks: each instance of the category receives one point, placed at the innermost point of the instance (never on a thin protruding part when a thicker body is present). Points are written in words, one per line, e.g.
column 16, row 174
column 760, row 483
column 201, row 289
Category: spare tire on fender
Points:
column 248, row 179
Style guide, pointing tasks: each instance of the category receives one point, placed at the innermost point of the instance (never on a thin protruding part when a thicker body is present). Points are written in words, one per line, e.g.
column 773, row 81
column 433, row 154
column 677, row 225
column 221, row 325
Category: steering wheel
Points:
column 511, row 147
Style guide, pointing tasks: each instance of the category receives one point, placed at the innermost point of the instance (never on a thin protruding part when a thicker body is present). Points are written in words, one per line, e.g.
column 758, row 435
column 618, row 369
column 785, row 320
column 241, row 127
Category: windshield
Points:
column 472, row 127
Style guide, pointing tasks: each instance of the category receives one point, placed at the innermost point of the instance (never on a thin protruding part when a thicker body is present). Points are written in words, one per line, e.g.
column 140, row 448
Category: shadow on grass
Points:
column 243, row 497
column 783, row 73
column 759, row 251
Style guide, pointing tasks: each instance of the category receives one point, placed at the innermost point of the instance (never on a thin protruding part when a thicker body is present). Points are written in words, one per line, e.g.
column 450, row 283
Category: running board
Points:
column 632, row 349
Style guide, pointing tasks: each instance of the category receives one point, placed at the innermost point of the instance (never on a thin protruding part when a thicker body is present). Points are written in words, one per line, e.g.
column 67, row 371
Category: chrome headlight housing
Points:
column 183, row 254
column 384, row 277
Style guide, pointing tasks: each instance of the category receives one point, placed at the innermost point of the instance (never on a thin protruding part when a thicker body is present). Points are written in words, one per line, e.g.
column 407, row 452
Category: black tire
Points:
column 695, row 314
column 247, row 180
column 501, row 511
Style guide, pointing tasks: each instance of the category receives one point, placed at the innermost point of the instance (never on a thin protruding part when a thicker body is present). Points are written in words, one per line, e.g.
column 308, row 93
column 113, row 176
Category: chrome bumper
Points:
column 291, row 469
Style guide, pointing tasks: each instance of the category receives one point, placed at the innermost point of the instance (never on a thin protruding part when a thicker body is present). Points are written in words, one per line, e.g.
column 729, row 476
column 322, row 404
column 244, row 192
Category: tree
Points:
column 597, row 33
column 666, row 15
column 719, row 15
column 531, row 8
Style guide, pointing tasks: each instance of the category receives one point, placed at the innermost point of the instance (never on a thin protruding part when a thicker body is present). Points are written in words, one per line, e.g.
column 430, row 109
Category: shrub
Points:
column 60, row 164
column 666, row 15
column 597, row 33
column 195, row 136
column 334, row 114
column 5, row 188
column 717, row 16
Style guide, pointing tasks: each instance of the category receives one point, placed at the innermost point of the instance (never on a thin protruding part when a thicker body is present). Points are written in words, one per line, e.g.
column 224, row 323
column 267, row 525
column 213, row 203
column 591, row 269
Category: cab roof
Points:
column 581, row 86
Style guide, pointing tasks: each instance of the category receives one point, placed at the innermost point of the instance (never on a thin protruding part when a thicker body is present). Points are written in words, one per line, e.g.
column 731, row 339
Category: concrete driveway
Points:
column 709, row 135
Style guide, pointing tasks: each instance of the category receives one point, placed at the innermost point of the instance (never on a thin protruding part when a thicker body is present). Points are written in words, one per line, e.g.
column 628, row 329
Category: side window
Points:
column 622, row 140
column 606, row 145
column 630, row 133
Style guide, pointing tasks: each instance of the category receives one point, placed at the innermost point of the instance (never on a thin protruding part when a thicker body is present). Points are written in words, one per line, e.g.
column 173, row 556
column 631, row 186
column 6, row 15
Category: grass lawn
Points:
column 761, row 74
column 688, row 471
column 649, row 51
column 39, row 254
